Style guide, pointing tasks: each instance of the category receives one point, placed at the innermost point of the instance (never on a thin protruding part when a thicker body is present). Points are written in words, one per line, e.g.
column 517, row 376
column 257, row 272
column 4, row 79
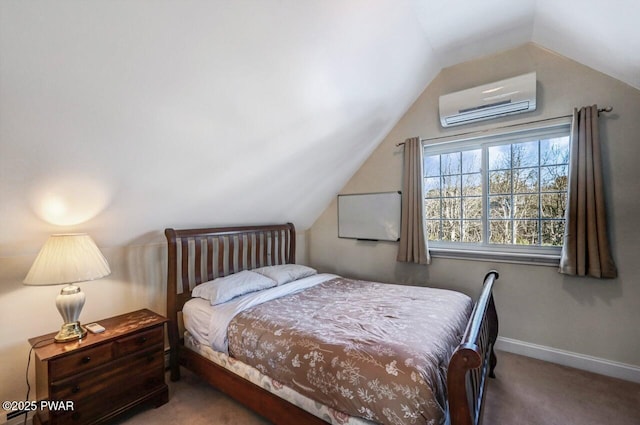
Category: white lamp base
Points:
column 69, row 304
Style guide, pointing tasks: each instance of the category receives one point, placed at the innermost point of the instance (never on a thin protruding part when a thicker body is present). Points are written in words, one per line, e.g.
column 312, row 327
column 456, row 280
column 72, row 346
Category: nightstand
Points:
column 103, row 374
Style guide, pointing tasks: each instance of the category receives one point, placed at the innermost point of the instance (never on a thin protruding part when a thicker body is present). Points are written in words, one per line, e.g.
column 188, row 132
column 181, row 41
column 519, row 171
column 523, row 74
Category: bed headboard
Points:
column 200, row 255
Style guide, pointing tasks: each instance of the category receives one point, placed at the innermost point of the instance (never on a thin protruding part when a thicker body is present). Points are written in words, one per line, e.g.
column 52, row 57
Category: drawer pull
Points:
column 86, row 359
column 75, row 389
column 142, row 339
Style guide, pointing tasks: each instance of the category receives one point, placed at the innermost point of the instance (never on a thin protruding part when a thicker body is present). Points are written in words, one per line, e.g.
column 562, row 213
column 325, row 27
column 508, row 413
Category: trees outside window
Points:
column 504, row 191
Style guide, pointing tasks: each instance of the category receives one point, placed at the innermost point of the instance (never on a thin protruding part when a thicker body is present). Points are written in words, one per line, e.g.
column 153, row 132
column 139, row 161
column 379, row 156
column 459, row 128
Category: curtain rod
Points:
column 605, row 109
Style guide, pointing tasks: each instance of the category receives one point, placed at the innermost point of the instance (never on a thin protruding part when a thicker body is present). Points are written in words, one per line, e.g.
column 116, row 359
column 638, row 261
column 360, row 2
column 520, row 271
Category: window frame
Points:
column 524, row 254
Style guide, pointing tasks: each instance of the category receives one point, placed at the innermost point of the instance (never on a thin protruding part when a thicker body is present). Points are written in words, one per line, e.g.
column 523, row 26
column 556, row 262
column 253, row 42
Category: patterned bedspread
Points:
column 373, row 350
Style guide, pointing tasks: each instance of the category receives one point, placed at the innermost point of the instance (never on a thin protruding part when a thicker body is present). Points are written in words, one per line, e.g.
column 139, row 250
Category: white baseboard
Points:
column 567, row 358
column 19, row 420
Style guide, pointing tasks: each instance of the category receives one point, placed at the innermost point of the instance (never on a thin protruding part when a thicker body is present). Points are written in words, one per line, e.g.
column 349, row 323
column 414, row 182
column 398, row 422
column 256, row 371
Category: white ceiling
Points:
column 123, row 117
column 599, row 34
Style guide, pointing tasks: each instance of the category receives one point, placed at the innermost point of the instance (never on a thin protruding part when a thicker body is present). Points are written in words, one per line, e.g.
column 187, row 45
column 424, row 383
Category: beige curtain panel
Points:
column 413, row 241
column 586, row 251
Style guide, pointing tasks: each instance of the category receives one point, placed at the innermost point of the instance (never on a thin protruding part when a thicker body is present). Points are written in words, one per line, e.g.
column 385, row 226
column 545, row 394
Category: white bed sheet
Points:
column 208, row 324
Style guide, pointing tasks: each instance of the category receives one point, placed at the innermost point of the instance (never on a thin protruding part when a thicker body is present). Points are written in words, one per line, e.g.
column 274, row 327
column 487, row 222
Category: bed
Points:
column 454, row 386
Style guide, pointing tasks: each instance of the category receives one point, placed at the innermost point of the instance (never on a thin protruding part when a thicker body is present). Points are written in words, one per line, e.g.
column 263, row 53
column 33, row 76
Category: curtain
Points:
column 413, row 243
column 586, row 246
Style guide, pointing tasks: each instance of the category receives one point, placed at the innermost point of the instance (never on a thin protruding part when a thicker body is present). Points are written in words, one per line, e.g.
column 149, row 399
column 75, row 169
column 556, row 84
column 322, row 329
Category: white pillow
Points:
column 223, row 289
column 286, row 273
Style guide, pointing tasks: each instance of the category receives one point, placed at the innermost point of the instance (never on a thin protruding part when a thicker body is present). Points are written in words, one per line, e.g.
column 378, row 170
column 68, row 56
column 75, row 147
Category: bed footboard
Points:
column 474, row 360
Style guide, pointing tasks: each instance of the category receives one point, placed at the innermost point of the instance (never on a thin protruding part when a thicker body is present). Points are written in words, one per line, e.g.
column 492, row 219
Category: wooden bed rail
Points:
column 474, row 359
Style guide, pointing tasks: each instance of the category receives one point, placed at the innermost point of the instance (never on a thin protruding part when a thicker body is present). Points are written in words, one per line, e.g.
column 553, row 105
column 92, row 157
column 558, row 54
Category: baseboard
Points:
column 567, row 358
column 19, row 420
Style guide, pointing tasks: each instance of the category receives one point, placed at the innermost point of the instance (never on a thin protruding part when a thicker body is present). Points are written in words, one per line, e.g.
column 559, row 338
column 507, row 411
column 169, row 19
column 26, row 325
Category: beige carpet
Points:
column 526, row 392
column 533, row 392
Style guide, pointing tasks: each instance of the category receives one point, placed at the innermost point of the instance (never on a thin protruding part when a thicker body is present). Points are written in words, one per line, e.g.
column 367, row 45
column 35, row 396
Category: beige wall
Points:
column 599, row 318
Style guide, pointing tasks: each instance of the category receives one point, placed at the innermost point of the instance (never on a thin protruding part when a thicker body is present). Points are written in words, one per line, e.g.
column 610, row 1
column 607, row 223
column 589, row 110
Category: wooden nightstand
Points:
column 103, row 374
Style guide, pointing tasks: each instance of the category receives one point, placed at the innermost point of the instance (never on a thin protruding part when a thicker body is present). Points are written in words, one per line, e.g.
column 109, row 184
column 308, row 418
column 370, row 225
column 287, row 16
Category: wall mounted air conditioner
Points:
column 511, row 96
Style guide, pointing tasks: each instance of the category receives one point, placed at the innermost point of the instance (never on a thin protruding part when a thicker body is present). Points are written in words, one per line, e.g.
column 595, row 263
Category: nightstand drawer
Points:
column 93, row 408
column 140, row 341
column 110, row 378
column 78, row 362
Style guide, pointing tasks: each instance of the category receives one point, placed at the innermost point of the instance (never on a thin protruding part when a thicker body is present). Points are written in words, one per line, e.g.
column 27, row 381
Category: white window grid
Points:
column 483, row 143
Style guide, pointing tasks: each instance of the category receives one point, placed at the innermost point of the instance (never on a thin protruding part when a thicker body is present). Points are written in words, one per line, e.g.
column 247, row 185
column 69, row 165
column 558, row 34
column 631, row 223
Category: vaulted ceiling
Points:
column 125, row 117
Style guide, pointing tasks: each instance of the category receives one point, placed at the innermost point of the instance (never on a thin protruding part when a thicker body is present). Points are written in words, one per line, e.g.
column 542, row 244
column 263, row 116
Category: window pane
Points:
column 526, row 206
column 525, row 180
column 554, row 151
column 451, row 163
column 472, row 231
column 472, row 184
column 433, row 230
column 451, row 208
column 432, row 165
column 526, row 232
column 552, row 232
column 554, row 205
column 472, row 207
column 525, row 154
column 500, row 182
column 500, row 206
column 513, row 191
column 500, row 231
column 432, row 208
column 451, row 185
column 472, row 161
column 451, row 230
column 432, row 187
column 554, row 178
column 500, row 157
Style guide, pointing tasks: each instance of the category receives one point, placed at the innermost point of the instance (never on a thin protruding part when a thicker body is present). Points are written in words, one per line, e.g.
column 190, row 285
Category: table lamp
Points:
column 68, row 258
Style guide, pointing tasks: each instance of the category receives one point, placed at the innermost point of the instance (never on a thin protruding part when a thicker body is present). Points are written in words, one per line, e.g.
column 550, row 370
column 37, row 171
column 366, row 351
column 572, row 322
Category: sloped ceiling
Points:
column 121, row 118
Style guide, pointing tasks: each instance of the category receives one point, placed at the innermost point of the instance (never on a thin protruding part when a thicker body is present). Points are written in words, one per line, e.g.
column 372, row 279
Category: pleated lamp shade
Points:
column 67, row 258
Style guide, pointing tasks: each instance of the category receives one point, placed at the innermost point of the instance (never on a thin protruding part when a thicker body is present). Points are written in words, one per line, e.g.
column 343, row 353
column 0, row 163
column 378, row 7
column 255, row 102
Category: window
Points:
column 498, row 195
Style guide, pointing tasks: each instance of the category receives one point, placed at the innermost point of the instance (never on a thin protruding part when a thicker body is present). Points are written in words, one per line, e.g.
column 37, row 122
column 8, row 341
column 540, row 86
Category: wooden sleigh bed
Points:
column 196, row 256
